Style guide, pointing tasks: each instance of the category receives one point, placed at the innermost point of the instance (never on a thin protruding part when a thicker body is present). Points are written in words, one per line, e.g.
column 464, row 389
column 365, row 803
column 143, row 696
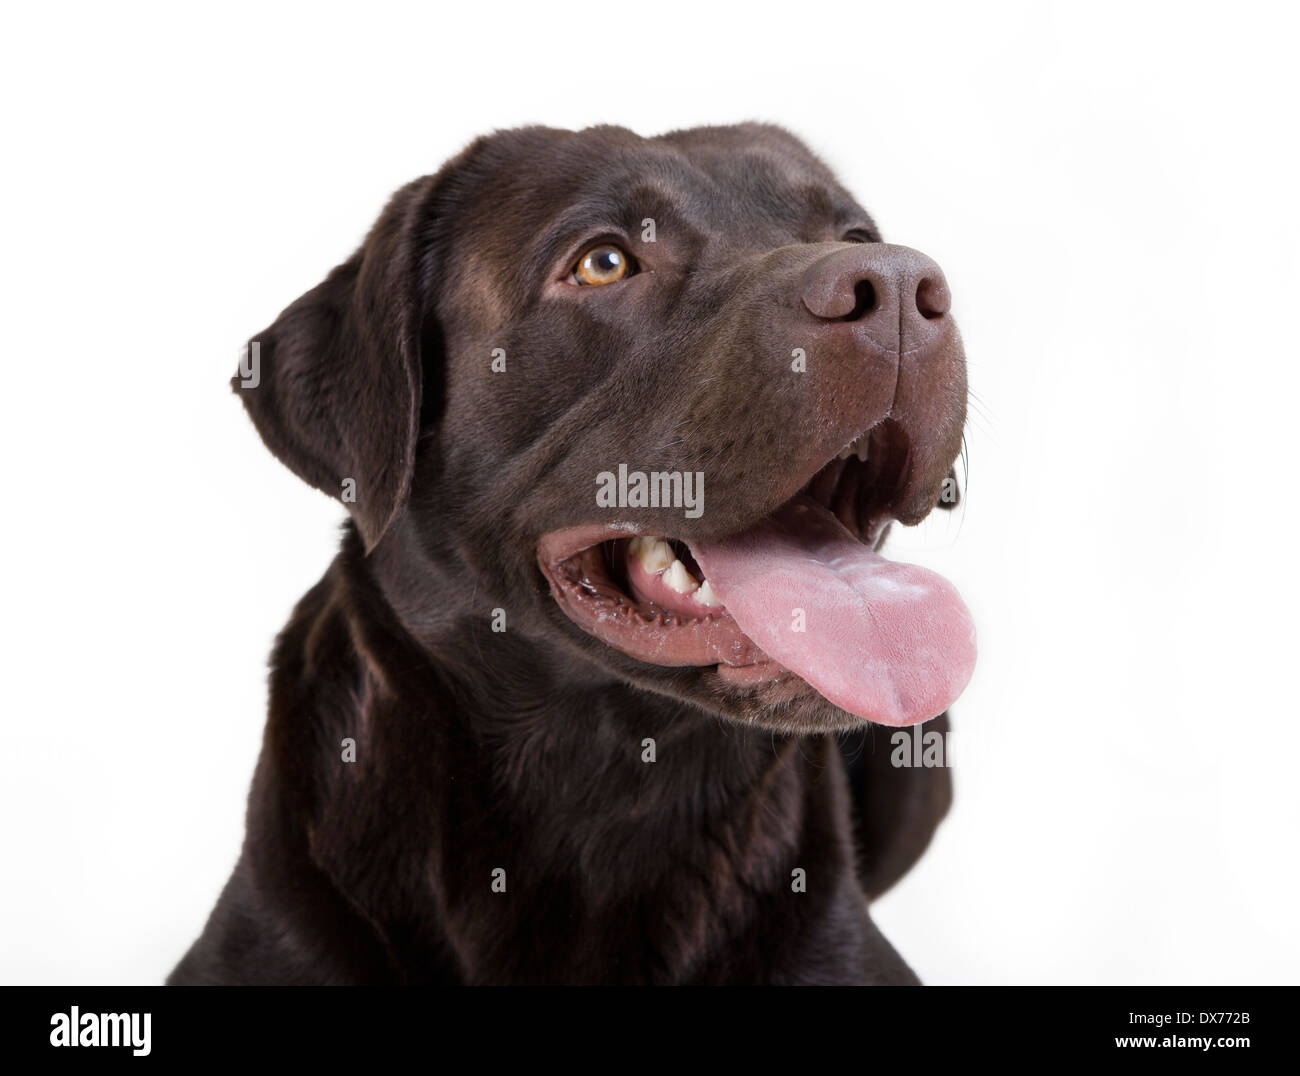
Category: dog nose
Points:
column 896, row 293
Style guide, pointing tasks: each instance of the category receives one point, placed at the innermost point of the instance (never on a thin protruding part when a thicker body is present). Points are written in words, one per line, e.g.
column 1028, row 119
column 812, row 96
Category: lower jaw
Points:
column 587, row 583
column 656, row 635
column 731, row 674
column 736, row 675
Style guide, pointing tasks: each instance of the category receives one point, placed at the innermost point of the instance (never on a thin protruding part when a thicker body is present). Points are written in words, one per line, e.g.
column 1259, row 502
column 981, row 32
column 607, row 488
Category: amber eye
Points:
column 603, row 264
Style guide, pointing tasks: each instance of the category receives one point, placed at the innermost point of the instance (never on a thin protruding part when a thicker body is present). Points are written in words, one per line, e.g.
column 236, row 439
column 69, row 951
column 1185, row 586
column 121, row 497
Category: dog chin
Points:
column 774, row 699
column 788, row 706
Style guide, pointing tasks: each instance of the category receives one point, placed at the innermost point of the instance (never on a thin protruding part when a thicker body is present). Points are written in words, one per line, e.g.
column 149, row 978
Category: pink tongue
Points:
column 892, row 643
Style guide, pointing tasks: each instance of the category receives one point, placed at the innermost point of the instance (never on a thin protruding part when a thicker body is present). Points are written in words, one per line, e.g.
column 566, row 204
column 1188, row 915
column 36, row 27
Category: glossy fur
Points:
column 522, row 750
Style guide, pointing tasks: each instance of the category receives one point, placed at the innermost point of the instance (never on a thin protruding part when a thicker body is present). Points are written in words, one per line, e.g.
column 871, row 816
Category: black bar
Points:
column 815, row 1026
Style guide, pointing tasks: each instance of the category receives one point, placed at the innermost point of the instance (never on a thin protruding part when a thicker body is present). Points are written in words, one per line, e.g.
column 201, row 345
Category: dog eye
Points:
column 603, row 264
column 857, row 235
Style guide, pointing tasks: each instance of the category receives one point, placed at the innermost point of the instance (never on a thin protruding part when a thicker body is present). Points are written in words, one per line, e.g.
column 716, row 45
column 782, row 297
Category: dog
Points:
column 594, row 690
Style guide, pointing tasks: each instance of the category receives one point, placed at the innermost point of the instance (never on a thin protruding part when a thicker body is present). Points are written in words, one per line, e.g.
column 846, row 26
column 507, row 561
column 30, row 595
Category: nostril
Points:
column 864, row 301
column 932, row 298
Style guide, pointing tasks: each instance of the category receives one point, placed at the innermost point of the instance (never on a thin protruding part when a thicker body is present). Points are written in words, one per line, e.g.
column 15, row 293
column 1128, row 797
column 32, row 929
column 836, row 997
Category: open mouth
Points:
column 802, row 592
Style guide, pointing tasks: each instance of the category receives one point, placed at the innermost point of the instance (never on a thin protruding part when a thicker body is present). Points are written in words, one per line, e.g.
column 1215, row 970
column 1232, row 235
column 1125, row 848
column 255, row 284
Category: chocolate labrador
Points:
column 589, row 693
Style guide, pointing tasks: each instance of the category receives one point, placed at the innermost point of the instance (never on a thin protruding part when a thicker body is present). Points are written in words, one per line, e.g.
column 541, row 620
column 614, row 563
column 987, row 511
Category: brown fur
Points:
column 521, row 749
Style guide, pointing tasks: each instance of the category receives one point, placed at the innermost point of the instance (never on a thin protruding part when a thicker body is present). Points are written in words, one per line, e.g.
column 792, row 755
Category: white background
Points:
column 1112, row 192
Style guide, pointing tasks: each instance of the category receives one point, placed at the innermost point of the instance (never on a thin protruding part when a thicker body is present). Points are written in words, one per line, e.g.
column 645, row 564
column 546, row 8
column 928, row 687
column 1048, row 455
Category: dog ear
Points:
column 334, row 385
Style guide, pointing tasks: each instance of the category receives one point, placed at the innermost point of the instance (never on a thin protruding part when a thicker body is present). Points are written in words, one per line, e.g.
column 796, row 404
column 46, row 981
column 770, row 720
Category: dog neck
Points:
column 559, row 792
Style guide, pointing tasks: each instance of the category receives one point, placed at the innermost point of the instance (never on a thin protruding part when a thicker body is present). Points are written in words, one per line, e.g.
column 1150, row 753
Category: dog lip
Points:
column 560, row 545
column 665, row 639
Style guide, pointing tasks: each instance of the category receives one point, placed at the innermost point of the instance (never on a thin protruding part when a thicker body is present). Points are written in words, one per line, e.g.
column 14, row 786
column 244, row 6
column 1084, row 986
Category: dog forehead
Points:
column 517, row 184
column 518, row 200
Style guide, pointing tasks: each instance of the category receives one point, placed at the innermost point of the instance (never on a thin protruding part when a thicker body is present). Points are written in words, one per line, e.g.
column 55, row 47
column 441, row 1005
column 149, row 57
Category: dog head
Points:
column 656, row 399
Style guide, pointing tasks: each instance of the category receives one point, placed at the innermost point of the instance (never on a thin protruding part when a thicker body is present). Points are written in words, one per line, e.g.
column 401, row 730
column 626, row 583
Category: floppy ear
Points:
column 334, row 385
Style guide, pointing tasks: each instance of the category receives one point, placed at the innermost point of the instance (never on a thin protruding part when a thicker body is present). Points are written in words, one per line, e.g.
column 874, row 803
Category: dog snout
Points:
column 896, row 295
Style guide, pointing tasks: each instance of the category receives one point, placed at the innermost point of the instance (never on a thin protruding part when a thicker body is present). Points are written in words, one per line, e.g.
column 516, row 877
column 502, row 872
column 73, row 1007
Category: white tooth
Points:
column 846, row 451
column 654, row 553
column 862, row 450
column 705, row 595
column 679, row 579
